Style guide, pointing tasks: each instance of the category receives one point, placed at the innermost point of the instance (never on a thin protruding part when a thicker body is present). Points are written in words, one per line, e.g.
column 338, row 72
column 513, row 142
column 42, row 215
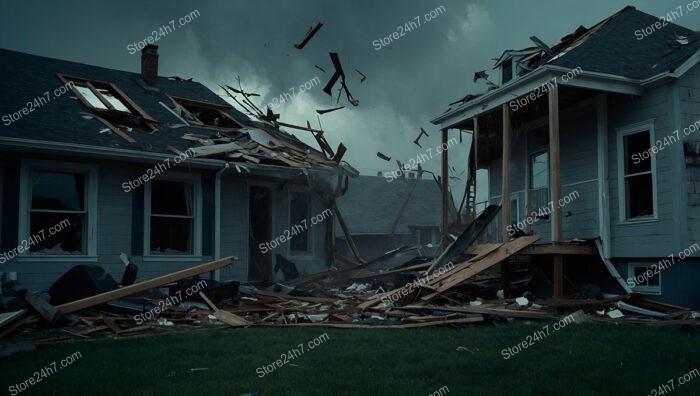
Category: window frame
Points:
column 212, row 106
column 310, row 239
column 99, row 113
column 530, row 189
column 644, row 289
column 90, row 202
column 195, row 180
column 621, row 179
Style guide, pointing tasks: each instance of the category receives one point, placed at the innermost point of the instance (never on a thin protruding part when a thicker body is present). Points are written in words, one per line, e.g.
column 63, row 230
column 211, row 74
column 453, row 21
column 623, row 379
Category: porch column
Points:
column 555, row 189
column 476, row 159
column 505, row 210
column 445, row 191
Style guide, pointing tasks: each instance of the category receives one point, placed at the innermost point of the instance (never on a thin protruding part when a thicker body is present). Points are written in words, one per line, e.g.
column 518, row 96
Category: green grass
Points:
column 586, row 359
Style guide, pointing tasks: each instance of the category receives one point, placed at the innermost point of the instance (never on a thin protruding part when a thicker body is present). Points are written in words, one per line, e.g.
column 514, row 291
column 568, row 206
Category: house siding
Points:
column 654, row 238
column 689, row 97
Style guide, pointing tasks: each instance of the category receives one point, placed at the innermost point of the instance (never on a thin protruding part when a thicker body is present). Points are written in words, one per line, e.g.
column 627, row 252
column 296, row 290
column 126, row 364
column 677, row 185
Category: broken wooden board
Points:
column 224, row 316
column 467, row 237
column 473, row 319
column 286, row 297
column 216, row 149
column 457, row 276
column 143, row 285
column 487, row 311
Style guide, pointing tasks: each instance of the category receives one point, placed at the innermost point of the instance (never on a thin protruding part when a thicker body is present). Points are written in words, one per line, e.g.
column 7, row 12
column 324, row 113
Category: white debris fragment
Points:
column 522, row 301
column 615, row 313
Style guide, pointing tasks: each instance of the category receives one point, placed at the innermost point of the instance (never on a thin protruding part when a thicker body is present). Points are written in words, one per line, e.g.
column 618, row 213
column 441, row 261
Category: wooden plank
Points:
column 144, row 285
column 174, row 150
column 561, row 248
column 339, row 153
column 505, row 189
column 116, row 130
column 473, row 319
column 224, row 316
column 445, row 191
column 286, row 297
column 482, row 310
column 452, row 279
column 216, row 149
column 309, row 34
column 14, row 326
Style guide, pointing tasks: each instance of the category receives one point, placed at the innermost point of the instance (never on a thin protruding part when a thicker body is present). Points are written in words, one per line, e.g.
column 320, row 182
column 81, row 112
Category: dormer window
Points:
column 111, row 106
column 205, row 114
column 507, row 71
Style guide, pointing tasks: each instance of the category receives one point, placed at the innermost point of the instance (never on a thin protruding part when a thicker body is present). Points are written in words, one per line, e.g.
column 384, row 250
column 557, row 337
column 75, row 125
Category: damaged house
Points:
column 596, row 138
column 97, row 162
column 407, row 214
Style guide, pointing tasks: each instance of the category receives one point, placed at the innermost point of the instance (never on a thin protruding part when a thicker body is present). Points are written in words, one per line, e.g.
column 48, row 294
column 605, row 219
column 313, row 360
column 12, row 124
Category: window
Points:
column 426, row 235
column 507, row 71
column 299, row 214
column 111, row 105
column 636, row 174
column 647, row 279
column 173, row 217
column 59, row 201
column 539, row 179
column 205, row 114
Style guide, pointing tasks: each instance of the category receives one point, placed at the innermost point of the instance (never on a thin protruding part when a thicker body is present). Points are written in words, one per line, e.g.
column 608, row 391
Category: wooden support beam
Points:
column 348, row 236
column 143, row 285
column 476, row 160
column 445, row 191
column 505, row 189
column 555, row 188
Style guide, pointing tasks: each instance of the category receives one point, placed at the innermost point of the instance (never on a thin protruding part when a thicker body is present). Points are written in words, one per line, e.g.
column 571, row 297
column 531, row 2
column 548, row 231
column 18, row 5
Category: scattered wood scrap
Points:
column 309, row 34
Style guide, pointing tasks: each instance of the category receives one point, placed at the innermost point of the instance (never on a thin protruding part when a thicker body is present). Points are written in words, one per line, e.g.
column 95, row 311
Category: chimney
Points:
column 149, row 64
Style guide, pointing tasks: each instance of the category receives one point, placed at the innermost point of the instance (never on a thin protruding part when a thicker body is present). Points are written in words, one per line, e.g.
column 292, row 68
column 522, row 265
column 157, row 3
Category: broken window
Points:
column 299, row 218
column 55, row 198
column 539, row 179
column 110, row 105
column 172, row 217
column 638, row 177
column 205, row 114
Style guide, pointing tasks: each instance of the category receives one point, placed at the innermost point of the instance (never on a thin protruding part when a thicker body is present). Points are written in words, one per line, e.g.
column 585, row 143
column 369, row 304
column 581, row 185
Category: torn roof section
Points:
column 610, row 54
column 112, row 110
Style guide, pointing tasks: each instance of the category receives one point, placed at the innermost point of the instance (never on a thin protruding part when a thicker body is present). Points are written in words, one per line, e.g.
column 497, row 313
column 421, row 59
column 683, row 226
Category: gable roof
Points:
column 65, row 119
column 371, row 205
column 619, row 46
column 610, row 55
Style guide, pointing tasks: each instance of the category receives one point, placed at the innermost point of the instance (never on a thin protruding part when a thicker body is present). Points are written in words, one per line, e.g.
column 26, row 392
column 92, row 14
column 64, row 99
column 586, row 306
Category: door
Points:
column 260, row 220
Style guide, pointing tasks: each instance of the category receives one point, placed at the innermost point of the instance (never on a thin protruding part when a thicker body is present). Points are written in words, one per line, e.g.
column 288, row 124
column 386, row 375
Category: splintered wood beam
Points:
column 143, row 285
column 284, row 124
column 340, row 153
column 309, row 34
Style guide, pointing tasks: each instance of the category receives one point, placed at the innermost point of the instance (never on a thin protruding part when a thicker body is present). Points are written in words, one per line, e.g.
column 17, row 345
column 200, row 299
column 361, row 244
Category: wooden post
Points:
column 505, row 210
column 555, row 189
column 445, row 191
column 476, row 160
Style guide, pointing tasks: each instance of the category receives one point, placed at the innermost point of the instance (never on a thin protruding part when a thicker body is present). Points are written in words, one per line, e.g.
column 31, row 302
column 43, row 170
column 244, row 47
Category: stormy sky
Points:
column 409, row 82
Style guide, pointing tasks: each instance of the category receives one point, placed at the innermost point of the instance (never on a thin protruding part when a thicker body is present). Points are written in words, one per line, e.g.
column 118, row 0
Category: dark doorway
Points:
column 260, row 212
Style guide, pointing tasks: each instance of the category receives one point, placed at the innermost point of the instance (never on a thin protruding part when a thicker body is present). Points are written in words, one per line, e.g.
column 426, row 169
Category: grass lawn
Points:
column 580, row 359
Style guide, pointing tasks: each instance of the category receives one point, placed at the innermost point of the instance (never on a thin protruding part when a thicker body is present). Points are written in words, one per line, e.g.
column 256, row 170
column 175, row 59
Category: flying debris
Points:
column 319, row 68
column 240, row 91
column 363, row 76
column 339, row 74
column 309, row 34
column 382, row 156
column 329, row 110
column 482, row 75
column 422, row 132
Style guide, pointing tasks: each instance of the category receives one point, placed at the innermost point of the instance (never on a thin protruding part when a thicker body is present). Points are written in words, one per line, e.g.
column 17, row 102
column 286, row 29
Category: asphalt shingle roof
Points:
column 371, row 205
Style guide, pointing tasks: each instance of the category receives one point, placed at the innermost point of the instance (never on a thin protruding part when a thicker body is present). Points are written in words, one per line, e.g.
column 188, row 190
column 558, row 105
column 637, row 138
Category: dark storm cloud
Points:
column 409, row 82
